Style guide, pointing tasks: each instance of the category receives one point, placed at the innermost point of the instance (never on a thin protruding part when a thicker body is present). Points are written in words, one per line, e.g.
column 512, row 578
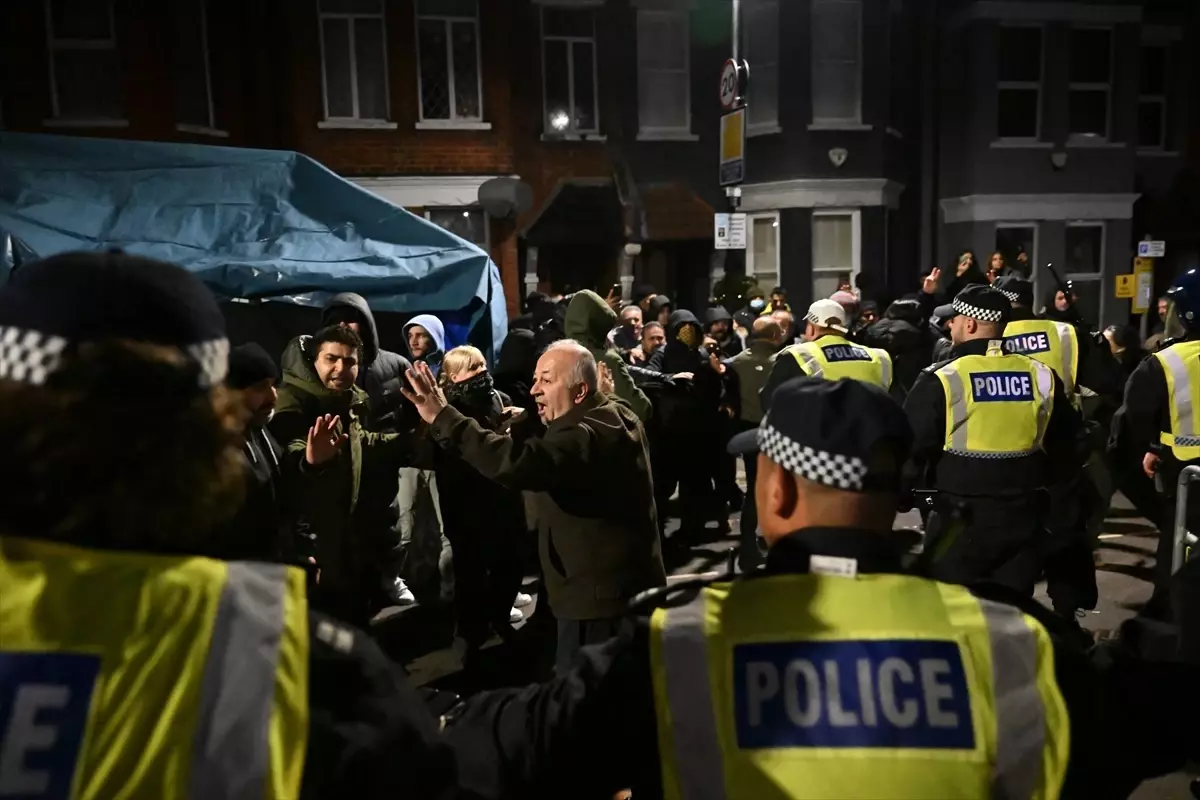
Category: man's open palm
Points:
column 423, row 392
column 324, row 439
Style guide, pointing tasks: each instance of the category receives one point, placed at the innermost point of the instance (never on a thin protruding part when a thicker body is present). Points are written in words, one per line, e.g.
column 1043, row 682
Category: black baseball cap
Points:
column 50, row 307
column 846, row 434
column 1016, row 289
column 978, row 302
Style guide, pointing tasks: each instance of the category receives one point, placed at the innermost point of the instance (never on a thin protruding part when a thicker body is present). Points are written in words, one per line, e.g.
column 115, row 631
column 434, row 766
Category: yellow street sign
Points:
column 1127, row 286
column 1143, row 293
column 733, row 147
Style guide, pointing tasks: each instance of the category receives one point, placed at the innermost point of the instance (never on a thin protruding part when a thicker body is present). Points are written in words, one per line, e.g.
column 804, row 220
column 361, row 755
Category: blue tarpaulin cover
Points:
column 265, row 224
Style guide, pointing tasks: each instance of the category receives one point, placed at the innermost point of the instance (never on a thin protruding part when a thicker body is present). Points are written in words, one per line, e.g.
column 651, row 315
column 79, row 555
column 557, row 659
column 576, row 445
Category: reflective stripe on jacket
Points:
column 1181, row 367
column 885, row 686
column 997, row 405
column 132, row 675
column 834, row 357
column 1048, row 342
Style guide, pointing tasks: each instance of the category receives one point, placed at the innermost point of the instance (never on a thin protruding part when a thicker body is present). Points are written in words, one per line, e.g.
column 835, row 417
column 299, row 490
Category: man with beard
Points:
column 718, row 324
column 628, row 333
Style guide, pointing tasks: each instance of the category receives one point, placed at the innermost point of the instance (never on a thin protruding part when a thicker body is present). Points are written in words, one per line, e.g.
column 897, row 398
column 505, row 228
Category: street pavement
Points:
column 422, row 638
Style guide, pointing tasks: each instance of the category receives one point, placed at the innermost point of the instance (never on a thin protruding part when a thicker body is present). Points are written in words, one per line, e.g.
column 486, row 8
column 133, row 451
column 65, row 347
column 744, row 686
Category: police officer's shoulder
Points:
column 674, row 594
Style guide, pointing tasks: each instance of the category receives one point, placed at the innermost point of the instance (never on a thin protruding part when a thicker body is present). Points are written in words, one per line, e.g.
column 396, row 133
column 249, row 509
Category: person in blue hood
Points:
column 426, row 340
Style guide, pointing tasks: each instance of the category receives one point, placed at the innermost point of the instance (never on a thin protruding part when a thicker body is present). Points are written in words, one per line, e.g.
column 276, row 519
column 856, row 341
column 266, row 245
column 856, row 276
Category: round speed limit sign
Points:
column 729, row 84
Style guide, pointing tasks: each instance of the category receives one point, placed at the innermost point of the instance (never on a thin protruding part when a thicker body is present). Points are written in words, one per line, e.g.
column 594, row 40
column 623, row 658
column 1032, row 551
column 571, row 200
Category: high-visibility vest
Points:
column 1048, row 342
column 131, row 675
column 884, row 686
column 1181, row 366
column 997, row 405
column 834, row 357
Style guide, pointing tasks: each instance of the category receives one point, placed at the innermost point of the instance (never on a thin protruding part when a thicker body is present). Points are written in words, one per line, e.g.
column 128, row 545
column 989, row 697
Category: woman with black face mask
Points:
column 483, row 520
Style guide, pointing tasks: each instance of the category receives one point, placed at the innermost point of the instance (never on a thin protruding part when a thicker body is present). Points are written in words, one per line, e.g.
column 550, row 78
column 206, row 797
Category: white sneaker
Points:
column 515, row 616
column 398, row 592
column 522, row 600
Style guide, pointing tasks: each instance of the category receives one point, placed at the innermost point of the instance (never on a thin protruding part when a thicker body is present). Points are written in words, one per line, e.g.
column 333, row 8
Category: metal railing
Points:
column 1183, row 538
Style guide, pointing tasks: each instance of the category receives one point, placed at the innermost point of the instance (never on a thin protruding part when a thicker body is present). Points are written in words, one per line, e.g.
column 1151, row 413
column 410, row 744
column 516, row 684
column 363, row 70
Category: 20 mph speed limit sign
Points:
column 733, row 79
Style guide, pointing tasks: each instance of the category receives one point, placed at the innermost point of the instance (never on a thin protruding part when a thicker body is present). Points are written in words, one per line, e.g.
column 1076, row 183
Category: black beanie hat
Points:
column 250, row 364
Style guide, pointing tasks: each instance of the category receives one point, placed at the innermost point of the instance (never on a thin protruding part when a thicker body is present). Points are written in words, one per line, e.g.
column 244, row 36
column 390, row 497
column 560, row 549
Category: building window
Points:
column 1090, row 73
column 1085, row 266
column 760, row 45
column 762, row 251
column 354, row 59
column 193, row 76
column 450, row 83
column 836, row 61
column 85, row 74
column 569, row 71
column 664, row 87
column 835, row 251
column 1019, row 83
column 1152, row 98
column 466, row 223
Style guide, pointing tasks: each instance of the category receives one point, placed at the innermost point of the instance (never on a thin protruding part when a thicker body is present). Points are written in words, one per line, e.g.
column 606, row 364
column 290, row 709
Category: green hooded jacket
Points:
column 588, row 321
column 345, row 502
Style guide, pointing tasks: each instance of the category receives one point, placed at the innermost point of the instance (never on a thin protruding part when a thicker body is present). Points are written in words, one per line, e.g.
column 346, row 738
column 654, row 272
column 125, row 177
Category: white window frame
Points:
column 751, row 269
column 1072, row 86
column 53, row 45
column 1098, row 275
column 210, row 127
column 487, row 222
column 454, row 121
column 1035, row 86
column 570, row 131
column 763, row 127
column 837, row 123
column 1034, row 271
column 684, row 132
column 1158, row 99
column 855, row 215
column 354, row 121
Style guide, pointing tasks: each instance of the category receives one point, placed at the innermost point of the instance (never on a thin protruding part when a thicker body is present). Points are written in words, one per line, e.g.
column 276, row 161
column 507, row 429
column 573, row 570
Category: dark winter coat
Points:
column 907, row 338
column 382, row 371
column 590, row 472
column 514, row 372
column 688, row 404
column 588, row 321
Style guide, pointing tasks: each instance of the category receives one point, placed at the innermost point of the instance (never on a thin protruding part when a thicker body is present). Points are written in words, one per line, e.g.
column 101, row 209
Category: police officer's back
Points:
column 131, row 665
column 830, row 673
column 990, row 429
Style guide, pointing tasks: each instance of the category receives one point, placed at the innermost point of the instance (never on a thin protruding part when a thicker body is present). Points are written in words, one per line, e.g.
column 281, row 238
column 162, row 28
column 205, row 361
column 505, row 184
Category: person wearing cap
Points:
column 135, row 661
column 991, row 430
column 831, row 672
column 828, row 353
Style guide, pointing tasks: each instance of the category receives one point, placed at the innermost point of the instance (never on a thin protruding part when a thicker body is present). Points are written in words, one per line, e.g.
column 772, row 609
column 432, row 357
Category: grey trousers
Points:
column 424, row 551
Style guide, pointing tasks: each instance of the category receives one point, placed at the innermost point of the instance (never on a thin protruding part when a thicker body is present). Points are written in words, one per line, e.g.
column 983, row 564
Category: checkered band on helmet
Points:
column 28, row 356
column 975, row 312
column 1013, row 297
column 831, row 469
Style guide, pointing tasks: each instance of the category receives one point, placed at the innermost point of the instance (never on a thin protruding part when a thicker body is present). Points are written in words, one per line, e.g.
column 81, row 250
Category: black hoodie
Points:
column 732, row 344
column 382, row 372
column 514, row 372
column 686, row 403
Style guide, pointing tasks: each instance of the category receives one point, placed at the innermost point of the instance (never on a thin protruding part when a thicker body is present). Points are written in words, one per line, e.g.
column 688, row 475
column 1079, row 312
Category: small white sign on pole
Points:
column 1152, row 249
column 729, row 231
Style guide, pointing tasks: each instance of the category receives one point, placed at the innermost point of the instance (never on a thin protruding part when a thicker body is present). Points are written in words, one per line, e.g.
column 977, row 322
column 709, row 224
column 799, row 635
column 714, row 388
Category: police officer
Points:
column 1162, row 415
column 827, row 353
column 831, row 673
column 129, row 664
column 991, row 429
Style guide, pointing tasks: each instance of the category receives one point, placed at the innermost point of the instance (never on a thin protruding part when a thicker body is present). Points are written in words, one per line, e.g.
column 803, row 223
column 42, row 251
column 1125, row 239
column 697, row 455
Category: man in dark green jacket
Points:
column 339, row 481
column 589, row 320
column 589, row 470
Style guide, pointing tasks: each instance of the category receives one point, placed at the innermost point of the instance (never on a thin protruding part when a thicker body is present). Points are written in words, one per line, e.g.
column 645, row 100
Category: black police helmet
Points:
column 1185, row 294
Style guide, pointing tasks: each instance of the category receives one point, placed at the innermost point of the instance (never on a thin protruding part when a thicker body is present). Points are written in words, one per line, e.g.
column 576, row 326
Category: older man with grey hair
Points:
column 586, row 460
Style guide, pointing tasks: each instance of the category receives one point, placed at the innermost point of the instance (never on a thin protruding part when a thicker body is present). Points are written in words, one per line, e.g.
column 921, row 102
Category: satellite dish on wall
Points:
column 505, row 197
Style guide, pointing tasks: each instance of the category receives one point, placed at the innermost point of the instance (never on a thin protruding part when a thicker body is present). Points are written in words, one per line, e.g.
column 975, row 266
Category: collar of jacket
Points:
column 761, row 348
column 1021, row 314
column 875, row 551
column 576, row 414
column 975, row 347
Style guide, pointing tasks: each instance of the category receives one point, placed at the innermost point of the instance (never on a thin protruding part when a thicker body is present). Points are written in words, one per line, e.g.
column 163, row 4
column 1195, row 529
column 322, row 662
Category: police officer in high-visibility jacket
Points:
column 831, row 672
column 827, row 353
column 991, row 429
column 1162, row 415
column 130, row 664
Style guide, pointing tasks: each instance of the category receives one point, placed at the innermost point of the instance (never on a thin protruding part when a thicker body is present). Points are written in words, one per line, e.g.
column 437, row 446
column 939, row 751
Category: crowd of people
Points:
column 240, row 522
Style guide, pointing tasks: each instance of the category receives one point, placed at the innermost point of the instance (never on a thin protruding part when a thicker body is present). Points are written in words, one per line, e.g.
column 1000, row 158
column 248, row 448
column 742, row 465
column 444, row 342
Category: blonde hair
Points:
column 461, row 359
